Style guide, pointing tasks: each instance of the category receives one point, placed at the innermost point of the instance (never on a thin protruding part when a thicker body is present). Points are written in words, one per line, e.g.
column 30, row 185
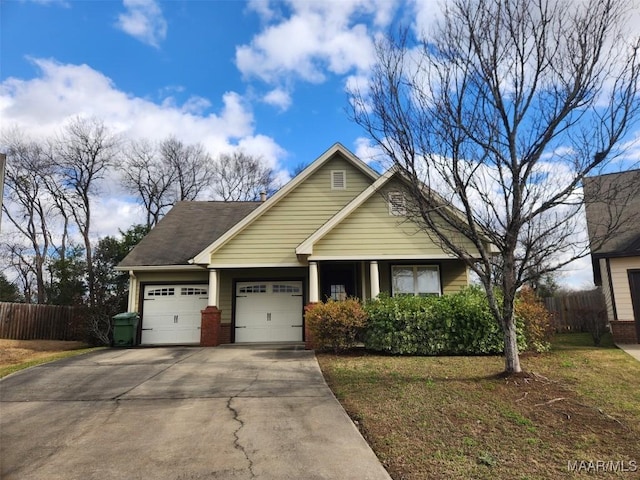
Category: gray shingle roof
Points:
column 612, row 203
column 186, row 230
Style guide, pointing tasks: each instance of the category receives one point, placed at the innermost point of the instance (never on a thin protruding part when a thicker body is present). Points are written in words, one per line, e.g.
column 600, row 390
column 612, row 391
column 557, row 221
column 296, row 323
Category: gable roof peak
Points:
column 337, row 148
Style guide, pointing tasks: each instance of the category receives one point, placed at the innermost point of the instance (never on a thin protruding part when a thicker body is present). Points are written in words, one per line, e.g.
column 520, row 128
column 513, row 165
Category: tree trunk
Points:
column 511, row 357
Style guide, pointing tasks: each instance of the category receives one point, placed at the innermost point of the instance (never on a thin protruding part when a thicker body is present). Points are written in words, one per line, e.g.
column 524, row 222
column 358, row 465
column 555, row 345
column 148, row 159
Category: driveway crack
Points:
column 236, row 434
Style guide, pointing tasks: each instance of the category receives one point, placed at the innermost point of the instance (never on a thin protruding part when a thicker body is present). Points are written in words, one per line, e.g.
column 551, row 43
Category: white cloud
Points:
column 577, row 275
column 314, row 40
column 143, row 20
column 262, row 8
column 369, row 153
column 114, row 213
column 40, row 106
column 63, row 91
column 278, row 97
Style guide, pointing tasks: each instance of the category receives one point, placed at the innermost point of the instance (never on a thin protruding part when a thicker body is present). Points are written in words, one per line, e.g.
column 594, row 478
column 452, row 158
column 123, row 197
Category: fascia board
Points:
column 156, row 268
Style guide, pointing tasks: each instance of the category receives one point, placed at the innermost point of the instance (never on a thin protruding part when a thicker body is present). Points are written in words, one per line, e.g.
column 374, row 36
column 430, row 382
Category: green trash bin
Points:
column 125, row 326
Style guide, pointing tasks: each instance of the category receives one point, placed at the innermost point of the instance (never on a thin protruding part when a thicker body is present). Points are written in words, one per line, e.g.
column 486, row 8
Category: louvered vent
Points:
column 338, row 179
column 397, row 205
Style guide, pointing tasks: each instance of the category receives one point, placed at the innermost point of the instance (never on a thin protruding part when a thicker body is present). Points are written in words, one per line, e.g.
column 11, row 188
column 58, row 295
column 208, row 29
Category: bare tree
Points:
column 84, row 152
column 161, row 174
column 241, row 177
column 503, row 109
column 20, row 261
column 149, row 178
column 190, row 165
column 28, row 207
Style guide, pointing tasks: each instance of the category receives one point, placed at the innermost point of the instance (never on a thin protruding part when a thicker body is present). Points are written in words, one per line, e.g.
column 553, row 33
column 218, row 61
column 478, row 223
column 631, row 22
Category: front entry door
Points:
column 634, row 286
column 338, row 280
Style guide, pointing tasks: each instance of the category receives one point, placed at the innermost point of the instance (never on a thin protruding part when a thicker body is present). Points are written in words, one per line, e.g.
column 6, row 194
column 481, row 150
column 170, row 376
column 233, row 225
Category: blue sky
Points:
column 268, row 77
column 242, row 62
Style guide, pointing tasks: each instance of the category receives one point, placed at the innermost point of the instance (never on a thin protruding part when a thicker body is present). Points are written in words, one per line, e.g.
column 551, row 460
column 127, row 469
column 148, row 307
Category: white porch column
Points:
column 314, row 290
column 375, row 278
column 213, row 287
column 133, row 292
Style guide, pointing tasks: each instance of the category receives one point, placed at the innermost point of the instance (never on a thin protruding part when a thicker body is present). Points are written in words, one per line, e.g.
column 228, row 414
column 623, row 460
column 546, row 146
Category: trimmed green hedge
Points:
column 452, row 324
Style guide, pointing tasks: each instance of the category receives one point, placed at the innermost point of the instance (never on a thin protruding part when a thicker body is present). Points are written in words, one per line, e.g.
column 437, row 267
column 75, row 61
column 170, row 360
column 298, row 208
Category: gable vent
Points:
column 338, row 179
column 397, row 204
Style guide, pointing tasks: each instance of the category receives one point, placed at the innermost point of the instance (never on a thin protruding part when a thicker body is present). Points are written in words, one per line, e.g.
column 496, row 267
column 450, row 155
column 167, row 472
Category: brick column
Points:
column 210, row 327
column 624, row 331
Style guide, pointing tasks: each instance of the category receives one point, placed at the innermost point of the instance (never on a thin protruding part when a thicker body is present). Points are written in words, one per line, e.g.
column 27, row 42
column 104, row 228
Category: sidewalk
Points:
column 632, row 349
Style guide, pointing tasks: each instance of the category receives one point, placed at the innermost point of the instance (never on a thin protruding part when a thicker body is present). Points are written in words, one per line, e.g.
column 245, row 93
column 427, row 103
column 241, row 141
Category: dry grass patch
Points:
column 439, row 417
column 19, row 354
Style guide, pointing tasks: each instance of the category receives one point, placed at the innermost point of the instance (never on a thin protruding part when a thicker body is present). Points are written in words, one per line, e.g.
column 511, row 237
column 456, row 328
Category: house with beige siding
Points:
column 612, row 204
column 224, row 272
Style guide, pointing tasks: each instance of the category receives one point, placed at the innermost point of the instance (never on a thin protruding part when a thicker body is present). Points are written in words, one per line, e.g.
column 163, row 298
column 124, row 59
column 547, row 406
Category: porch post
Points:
column 133, row 292
column 375, row 278
column 210, row 331
column 314, row 290
column 213, row 288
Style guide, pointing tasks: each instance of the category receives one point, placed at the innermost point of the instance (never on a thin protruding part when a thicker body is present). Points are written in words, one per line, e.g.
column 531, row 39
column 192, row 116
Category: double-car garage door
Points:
column 264, row 312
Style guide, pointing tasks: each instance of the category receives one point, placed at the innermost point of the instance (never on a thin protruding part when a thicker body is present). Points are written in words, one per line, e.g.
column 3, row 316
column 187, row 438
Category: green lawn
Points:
column 454, row 417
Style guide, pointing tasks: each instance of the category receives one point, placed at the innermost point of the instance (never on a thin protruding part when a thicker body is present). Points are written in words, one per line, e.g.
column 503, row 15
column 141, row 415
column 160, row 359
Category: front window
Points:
column 338, row 292
column 422, row 280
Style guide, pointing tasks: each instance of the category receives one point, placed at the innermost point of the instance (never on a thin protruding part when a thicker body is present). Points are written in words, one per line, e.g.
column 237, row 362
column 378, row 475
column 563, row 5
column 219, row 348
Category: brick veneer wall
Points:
column 624, row 331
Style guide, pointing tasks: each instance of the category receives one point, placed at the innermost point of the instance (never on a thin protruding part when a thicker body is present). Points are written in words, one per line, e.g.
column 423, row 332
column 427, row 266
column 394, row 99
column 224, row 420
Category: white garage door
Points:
column 269, row 311
column 171, row 314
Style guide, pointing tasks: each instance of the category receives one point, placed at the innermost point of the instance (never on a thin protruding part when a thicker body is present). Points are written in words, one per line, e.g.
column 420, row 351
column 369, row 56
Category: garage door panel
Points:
column 269, row 333
column 172, row 314
column 268, row 311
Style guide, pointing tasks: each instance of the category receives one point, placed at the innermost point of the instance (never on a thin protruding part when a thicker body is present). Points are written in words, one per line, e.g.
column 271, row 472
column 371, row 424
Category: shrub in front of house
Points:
column 536, row 319
column 458, row 324
column 335, row 325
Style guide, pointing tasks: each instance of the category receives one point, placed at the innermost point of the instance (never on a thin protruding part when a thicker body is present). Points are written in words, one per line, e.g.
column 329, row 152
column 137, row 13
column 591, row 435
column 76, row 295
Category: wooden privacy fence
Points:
column 22, row 321
column 577, row 311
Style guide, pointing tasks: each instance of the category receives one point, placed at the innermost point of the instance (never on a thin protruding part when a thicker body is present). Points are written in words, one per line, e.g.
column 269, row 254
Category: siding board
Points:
column 273, row 237
column 620, row 281
column 371, row 230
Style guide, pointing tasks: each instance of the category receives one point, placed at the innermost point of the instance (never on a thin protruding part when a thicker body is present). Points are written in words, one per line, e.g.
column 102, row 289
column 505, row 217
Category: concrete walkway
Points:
column 237, row 412
column 632, row 349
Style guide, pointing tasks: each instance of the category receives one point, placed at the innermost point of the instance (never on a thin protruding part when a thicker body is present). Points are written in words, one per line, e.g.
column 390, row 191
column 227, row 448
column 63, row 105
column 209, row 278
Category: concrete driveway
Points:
column 235, row 412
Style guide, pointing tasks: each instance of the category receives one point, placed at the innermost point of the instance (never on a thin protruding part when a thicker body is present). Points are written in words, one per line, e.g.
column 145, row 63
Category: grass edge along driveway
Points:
column 576, row 411
column 16, row 355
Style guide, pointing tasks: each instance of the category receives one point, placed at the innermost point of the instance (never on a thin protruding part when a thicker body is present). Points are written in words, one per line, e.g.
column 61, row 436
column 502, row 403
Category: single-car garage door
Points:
column 269, row 311
column 171, row 314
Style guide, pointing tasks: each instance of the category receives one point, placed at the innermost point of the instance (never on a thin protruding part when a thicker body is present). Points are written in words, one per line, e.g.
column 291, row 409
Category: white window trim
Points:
column 415, row 278
column 334, row 175
column 397, row 204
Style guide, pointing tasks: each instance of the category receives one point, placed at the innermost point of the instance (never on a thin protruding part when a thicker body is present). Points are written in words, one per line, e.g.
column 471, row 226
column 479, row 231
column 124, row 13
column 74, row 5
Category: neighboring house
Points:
column 224, row 272
column 612, row 203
